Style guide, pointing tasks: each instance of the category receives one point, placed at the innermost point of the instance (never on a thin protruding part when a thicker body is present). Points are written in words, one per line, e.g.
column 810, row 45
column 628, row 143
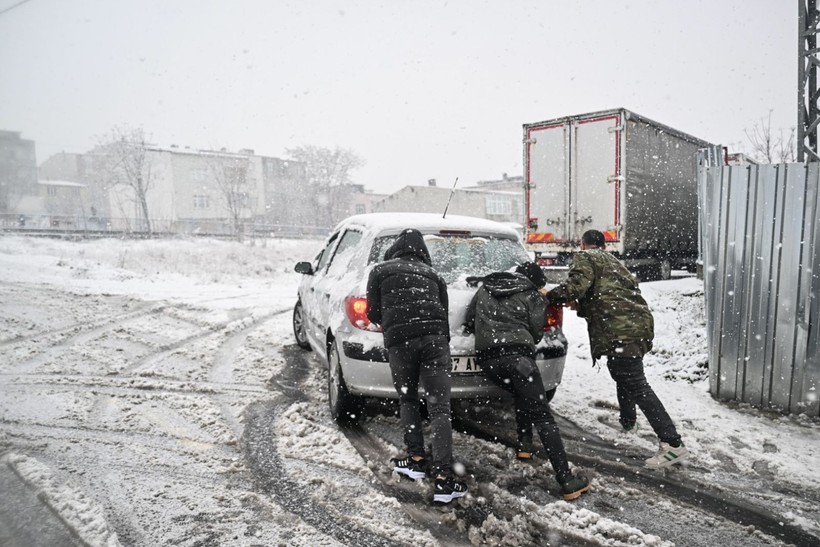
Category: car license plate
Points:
column 465, row 364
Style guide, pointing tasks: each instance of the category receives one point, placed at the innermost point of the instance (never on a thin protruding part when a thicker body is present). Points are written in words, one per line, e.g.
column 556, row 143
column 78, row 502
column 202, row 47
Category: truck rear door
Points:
column 574, row 180
column 547, row 176
column 595, row 180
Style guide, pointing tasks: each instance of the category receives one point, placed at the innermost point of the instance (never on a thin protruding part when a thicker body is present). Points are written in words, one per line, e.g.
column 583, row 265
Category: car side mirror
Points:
column 305, row 268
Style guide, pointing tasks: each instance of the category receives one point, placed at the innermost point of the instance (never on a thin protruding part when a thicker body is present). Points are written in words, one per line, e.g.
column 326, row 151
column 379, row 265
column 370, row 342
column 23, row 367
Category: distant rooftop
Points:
column 65, row 183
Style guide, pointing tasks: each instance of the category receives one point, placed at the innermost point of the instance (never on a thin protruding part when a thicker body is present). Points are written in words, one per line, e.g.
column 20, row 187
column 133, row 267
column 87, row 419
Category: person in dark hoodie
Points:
column 508, row 315
column 408, row 298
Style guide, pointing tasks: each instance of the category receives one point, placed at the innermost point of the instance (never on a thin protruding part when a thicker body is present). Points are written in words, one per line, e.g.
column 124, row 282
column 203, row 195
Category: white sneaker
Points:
column 667, row 455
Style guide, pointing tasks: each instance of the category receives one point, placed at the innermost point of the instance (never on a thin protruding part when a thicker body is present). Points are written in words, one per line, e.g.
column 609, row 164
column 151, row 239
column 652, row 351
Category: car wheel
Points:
column 344, row 407
column 299, row 326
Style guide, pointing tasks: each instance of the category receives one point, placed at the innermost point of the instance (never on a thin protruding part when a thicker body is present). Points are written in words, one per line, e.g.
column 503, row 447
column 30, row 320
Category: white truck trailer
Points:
column 630, row 177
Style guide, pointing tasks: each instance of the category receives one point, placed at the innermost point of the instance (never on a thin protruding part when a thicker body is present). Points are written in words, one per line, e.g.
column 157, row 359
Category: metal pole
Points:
column 808, row 113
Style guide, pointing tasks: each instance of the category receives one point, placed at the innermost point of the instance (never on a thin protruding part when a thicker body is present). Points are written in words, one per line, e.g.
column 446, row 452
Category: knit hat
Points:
column 533, row 272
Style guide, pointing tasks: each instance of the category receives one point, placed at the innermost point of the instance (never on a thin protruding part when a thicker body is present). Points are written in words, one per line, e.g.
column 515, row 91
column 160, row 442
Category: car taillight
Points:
column 356, row 311
column 555, row 317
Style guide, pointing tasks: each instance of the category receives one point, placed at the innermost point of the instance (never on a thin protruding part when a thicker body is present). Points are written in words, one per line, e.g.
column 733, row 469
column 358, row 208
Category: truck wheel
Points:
column 661, row 270
column 299, row 326
column 344, row 407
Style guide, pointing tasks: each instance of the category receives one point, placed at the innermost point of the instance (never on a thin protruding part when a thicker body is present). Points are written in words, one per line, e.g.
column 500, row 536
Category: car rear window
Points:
column 456, row 257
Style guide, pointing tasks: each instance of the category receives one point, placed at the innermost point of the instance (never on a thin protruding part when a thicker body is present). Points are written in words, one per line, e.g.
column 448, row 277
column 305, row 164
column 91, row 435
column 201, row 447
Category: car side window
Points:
column 348, row 244
column 324, row 256
column 380, row 246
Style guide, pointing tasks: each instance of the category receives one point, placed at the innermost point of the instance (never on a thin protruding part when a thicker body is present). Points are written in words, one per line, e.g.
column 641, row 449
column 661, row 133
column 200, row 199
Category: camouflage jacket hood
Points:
column 618, row 319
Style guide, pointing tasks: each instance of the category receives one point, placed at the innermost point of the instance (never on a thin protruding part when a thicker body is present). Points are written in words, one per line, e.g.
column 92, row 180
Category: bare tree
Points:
column 327, row 171
column 768, row 147
column 229, row 173
column 127, row 165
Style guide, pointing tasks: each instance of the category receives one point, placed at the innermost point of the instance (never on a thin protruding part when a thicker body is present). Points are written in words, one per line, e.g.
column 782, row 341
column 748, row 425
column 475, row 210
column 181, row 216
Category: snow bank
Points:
column 82, row 515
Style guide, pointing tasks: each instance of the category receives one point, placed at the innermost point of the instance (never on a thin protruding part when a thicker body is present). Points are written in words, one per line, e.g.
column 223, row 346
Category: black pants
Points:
column 425, row 358
column 519, row 375
column 633, row 389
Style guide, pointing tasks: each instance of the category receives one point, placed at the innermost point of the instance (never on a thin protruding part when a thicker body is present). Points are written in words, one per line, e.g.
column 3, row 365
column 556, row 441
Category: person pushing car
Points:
column 621, row 327
column 508, row 316
column 408, row 298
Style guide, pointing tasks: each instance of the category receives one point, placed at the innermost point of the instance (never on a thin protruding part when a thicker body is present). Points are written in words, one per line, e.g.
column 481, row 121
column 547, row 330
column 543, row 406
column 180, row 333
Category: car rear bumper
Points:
column 370, row 377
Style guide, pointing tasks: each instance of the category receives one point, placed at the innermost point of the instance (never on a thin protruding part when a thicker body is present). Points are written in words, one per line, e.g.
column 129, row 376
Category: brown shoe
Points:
column 574, row 487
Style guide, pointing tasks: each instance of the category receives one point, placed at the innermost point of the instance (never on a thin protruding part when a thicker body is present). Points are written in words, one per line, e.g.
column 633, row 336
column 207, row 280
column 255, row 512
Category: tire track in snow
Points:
column 271, row 479
column 266, row 464
column 595, row 453
column 248, row 321
column 440, row 522
column 447, row 524
column 222, row 369
column 35, row 432
column 127, row 385
column 223, row 364
column 87, row 330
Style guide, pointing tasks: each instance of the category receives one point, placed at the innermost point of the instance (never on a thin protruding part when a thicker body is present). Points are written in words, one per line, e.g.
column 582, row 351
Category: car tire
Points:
column 550, row 393
column 299, row 326
column 344, row 407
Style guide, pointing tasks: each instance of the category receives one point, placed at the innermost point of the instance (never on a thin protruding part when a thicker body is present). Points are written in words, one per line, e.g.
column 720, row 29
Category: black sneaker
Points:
column 573, row 487
column 446, row 490
column 410, row 467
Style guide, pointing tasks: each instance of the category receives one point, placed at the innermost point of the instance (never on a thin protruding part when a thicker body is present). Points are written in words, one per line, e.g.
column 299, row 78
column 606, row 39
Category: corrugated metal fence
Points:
column 760, row 240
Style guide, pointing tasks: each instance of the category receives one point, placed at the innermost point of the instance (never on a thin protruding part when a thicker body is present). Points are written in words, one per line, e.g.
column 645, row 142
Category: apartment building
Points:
column 18, row 170
column 189, row 190
column 500, row 200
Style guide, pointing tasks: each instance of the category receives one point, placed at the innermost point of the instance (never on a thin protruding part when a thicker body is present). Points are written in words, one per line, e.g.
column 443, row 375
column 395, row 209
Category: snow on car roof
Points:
column 427, row 221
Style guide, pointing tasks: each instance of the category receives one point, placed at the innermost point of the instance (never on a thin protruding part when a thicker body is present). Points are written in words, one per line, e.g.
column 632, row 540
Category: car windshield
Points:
column 456, row 257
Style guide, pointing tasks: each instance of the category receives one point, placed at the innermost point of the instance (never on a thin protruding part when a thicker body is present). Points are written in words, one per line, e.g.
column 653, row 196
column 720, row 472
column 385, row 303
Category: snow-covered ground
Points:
column 149, row 396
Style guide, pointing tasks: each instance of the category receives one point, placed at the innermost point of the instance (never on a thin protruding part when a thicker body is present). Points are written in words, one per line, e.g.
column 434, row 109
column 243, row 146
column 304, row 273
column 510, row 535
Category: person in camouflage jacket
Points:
column 620, row 327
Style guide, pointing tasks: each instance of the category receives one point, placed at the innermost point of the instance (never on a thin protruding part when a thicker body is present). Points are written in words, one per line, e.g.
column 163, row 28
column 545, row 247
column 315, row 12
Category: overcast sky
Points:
column 418, row 89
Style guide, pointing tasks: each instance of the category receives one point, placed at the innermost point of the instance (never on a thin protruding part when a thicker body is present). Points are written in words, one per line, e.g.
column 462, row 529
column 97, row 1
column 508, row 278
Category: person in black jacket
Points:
column 508, row 315
column 409, row 300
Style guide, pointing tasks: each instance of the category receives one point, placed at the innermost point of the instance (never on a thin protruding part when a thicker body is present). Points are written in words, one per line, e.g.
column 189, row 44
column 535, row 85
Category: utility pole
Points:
column 808, row 113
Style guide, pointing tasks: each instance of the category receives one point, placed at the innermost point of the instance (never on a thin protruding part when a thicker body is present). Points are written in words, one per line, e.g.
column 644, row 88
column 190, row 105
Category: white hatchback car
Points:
column 329, row 316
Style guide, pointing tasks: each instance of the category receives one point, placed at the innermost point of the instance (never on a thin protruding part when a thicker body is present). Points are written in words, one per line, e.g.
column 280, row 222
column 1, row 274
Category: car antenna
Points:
column 453, row 191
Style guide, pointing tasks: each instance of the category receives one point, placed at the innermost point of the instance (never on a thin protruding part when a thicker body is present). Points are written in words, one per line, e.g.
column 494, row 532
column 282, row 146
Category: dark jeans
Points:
column 633, row 389
column 427, row 359
column 519, row 375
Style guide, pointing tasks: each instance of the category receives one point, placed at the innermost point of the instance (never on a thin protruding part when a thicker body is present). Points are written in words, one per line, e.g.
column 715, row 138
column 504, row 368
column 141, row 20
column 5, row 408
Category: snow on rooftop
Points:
column 66, row 183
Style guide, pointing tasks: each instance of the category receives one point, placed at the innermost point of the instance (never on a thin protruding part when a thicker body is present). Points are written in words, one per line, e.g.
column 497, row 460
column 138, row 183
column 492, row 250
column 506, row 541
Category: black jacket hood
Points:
column 503, row 284
column 410, row 243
